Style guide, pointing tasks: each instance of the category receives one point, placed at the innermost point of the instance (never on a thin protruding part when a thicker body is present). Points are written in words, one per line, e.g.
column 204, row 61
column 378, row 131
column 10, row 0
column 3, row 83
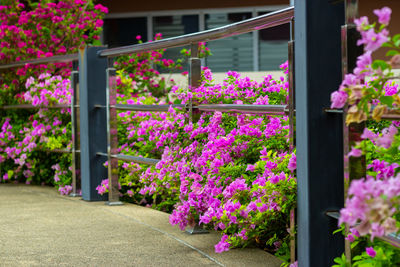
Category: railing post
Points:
column 194, row 82
column 93, row 126
column 194, row 74
column 291, row 107
column 318, row 135
column 354, row 167
column 75, row 128
column 112, row 136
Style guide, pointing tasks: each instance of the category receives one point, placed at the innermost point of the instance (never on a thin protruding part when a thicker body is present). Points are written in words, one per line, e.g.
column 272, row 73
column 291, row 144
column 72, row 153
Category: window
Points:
column 262, row 50
column 123, row 31
column 232, row 53
column 273, row 46
column 172, row 26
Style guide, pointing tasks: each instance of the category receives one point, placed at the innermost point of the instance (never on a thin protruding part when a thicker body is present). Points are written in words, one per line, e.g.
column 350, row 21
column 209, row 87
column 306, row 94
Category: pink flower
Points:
column 373, row 40
column 130, row 193
column 101, row 8
column 383, row 15
column 387, row 137
column 250, row 168
column 222, row 245
column 361, row 23
column 292, row 163
column 99, row 23
column 363, row 65
column 367, row 134
column 349, row 80
column 350, row 238
column 338, row 99
column 370, row 251
column 355, row 152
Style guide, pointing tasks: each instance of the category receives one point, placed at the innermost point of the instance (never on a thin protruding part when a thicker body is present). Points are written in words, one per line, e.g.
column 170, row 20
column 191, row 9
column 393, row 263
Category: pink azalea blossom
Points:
column 338, row 99
column 383, row 15
column 370, row 252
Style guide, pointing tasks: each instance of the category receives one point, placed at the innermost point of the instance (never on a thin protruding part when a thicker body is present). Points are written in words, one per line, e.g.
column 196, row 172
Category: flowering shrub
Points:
column 231, row 172
column 22, row 142
column 372, row 208
column 28, row 31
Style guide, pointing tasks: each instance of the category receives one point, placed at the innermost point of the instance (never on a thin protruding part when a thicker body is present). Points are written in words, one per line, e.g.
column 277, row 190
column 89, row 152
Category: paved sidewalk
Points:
column 38, row 227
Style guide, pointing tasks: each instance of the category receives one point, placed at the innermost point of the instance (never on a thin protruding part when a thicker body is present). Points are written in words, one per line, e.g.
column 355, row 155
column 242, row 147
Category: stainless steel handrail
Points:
column 29, row 106
column 61, row 151
column 140, row 160
column 54, row 59
column 269, row 20
column 238, row 108
column 389, row 114
column 148, row 107
column 392, row 238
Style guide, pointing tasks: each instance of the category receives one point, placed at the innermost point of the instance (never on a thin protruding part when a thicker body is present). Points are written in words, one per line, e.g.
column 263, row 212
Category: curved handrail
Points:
column 269, row 20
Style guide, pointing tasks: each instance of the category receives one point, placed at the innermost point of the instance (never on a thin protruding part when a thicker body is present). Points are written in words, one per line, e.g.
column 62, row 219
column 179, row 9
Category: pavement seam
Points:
column 167, row 234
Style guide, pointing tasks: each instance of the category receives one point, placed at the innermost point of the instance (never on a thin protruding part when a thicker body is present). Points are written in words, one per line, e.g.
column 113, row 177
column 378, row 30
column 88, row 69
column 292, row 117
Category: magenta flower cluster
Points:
column 372, row 207
column 233, row 172
column 31, row 30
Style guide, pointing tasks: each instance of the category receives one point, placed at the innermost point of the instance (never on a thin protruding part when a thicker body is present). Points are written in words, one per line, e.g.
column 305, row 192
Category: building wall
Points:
column 366, row 8
column 122, row 6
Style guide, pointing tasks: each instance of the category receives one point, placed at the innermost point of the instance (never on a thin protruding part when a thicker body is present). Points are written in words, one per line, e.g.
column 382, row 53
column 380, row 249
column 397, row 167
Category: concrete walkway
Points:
column 38, row 227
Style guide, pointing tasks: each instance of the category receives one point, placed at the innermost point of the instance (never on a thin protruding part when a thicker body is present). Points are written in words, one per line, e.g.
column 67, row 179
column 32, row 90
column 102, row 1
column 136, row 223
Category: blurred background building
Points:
column 257, row 51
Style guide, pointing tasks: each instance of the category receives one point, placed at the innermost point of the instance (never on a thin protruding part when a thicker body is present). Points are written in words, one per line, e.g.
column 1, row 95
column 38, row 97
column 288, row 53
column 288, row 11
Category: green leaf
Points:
column 380, row 64
column 392, row 53
column 96, row 43
column 396, row 37
column 338, row 230
column 354, row 244
column 387, row 45
column 386, row 100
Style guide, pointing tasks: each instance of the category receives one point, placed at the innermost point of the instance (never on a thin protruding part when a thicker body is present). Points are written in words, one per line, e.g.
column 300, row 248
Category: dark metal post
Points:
column 291, row 106
column 74, row 129
column 318, row 135
column 93, row 127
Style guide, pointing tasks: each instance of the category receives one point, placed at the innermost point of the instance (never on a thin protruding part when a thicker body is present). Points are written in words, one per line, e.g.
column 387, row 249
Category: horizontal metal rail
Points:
column 147, row 107
column 243, row 108
column 392, row 238
column 29, row 106
column 43, row 60
column 390, row 114
column 61, row 151
column 269, row 20
column 238, row 108
column 135, row 159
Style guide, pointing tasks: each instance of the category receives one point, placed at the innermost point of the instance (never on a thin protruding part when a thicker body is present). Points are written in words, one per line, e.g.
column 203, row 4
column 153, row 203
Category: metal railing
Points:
column 269, row 20
column 73, row 106
column 262, row 22
column 266, row 21
column 257, row 23
column 352, row 133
